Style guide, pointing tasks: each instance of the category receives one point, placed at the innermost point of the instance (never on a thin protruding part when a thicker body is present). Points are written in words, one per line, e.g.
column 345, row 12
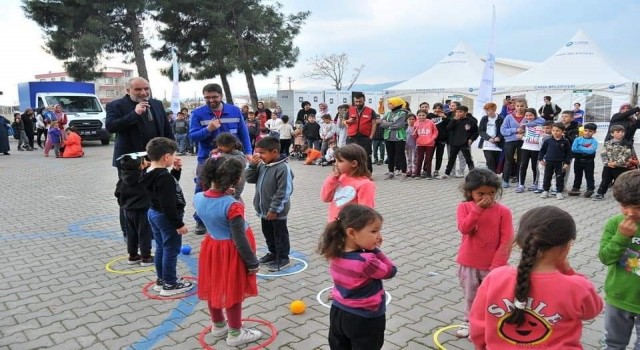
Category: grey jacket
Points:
column 274, row 186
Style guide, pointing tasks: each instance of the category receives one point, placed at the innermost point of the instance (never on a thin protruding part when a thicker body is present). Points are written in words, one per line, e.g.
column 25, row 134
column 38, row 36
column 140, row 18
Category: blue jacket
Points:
column 231, row 121
column 553, row 150
column 583, row 148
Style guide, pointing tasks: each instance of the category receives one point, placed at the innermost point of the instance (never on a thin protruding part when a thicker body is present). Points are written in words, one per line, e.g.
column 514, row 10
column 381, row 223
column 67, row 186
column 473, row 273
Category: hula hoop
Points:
column 388, row 297
column 145, row 291
column 272, row 328
column 126, row 272
column 436, row 334
column 304, row 263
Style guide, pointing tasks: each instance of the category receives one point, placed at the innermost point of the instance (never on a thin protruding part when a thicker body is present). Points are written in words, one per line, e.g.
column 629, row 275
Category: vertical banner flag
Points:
column 175, row 94
column 485, row 93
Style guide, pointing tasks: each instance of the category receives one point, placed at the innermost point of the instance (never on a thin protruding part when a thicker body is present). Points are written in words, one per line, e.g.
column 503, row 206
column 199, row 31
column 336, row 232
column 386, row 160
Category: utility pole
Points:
column 278, row 80
column 290, row 81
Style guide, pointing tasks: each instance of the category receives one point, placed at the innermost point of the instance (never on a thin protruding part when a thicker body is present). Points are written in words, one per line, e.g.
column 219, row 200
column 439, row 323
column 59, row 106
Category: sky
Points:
column 395, row 40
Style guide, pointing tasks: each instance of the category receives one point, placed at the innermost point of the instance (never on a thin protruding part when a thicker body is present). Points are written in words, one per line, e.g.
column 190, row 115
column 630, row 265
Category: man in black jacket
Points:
column 549, row 110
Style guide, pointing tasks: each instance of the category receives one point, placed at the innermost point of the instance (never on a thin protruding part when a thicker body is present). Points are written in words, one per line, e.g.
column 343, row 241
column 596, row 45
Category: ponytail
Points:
column 333, row 240
column 523, row 282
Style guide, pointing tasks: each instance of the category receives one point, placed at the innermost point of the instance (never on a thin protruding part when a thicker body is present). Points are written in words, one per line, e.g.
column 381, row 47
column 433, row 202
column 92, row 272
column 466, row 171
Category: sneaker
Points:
column 505, row 184
column 520, row 189
column 443, row 177
column 181, row 286
column 463, row 331
column 538, row 191
column 267, row 258
column 459, row 175
column 429, row 177
column 545, row 194
column 588, row 194
column 574, row 192
column 514, row 180
column 436, row 173
column 278, row 265
column 245, row 336
column 134, row 260
column 147, row 261
column 553, row 191
column 597, row 197
column 158, row 286
column 219, row 331
column 559, row 196
column 200, row 229
column 425, row 175
column 532, row 188
column 389, row 176
column 379, row 162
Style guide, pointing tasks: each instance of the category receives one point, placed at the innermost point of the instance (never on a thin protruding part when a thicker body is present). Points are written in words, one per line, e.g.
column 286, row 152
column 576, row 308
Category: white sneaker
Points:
column 463, row 331
column 559, row 196
column 545, row 194
column 246, row 336
column 219, row 331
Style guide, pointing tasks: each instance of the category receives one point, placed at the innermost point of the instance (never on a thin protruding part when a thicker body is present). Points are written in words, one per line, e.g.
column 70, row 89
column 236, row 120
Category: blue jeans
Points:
column 168, row 243
column 182, row 140
column 618, row 326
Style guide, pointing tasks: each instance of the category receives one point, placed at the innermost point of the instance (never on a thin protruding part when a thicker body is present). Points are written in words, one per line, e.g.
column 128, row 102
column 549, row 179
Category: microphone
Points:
column 149, row 115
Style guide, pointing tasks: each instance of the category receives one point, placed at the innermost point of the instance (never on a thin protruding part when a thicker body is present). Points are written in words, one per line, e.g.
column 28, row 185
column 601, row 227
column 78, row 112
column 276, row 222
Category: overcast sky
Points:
column 396, row 40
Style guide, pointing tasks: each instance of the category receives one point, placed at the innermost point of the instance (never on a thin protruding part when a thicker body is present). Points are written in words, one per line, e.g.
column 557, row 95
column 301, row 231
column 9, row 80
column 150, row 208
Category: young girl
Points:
column 532, row 140
column 425, row 132
column 410, row 146
column 537, row 316
column 351, row 243
column 228, row 263
column 350, row 181
column 229, row 145
column 72, row 144
column 54, row 140
column 487, row 233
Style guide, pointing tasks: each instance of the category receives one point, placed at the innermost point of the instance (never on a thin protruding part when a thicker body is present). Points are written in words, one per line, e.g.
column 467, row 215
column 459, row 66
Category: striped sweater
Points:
column 357, row 278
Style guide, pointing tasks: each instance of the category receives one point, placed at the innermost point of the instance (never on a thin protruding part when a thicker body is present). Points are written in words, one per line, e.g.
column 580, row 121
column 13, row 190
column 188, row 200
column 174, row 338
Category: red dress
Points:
column 223, row 279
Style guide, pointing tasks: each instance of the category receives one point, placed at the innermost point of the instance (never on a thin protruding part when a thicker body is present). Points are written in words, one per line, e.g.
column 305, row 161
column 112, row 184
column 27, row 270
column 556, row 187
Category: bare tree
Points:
column 333, row 67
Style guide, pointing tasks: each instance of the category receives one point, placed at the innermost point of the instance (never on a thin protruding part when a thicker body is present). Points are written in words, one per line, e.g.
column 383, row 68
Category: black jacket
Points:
column 123, row 120
column 131, row 195
column 165, row 194
column 461, row 131
column 572, row 131
column 553, row 150
column 311, row 131
column 482, row 130
column 629, row 124
column 441, row 125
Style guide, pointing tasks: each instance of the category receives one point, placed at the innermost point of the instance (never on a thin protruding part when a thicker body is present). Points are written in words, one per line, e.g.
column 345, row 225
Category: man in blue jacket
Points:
column 207, row 122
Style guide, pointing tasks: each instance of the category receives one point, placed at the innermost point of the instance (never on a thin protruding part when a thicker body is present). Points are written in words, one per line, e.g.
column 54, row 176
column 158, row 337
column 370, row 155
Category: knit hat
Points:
column 396, row 102
column 625, row 105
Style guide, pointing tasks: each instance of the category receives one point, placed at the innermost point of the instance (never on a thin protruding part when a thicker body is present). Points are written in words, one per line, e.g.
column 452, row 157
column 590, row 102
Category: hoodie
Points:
column 131, row 196
column 165, row 193
column 274, row 186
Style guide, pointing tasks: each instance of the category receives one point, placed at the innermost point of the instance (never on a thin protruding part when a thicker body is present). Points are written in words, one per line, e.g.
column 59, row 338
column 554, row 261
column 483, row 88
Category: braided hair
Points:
column 221, row 173
column 540, row 229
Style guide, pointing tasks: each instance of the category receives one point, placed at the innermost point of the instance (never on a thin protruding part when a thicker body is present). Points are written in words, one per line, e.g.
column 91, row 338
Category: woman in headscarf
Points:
column 394, row 123
column 278, row 111
column 4, row 135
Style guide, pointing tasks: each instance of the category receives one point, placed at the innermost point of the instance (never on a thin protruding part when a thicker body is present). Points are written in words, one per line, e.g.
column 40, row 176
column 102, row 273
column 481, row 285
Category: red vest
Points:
column 364, row 122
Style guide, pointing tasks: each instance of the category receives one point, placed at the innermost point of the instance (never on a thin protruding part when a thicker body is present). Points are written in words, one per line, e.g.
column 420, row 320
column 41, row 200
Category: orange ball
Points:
column 297, row 307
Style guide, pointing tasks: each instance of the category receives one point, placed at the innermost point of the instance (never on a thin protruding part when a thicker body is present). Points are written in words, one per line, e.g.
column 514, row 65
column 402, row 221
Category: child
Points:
column 311, row 132
column 571, row 132
column 18, row 127
column 273, row 125
column 378, row 146
column 352, row 244
column 536, row 315
column 270, row 172
column 181, row 130
column 286, row 134
column 410, row 145
column 133, row 199
column 312, row 155
column 264, row 132
column 166, row 212
column 440, row 119
column 555, row 156
column 350, row 181
column 341, row 127
column 584, row 153
column 491, row 141
column 531, row 137
column 487, row 232
column 327, row 132
column 616, row 156
column 546, row 134
column 72, row 144
column 229, row 145
column 330, row 157
column 54, row 140
column 619, row 251
column 253, row 126
column 461, row 130
column 298, row 142
column 228, row 264
column 426, row 133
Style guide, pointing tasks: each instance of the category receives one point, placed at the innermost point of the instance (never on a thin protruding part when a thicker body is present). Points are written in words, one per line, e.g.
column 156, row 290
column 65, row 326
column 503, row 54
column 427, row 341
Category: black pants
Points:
column 395, row 156
column 276, row 234
column 285, row 145
column 453, row 154
column 41, row 132
column 609, row 175
column 551, row 168
column 122, row 217
column 349, row 331
column 528, row 156
column 440, row 146
column 364, row 142
column 492, row 158
column 29, row 132
column 511, row 149
column 586, row 167
column 139, row 232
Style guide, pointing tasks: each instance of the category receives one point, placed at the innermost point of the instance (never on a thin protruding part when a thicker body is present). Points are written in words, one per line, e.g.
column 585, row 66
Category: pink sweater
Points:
column 345, row 189
column 487, row 235
column 556, row 307
column 425, row 133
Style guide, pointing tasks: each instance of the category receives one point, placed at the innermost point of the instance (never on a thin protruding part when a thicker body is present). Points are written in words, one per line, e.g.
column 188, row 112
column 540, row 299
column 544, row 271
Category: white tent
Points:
column 456, row 77
column 577, row 72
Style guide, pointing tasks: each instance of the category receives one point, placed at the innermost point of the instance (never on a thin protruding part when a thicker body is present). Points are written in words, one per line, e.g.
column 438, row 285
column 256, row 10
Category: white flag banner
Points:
column 175, row 94
column 485, row 93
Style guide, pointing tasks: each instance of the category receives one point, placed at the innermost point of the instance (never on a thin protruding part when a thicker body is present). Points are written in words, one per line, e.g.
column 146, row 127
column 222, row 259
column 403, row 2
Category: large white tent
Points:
column 456, row 76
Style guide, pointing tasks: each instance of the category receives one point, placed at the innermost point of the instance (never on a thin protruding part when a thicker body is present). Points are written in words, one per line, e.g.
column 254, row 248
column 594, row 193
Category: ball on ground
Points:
column 186, row 249
column 297, row 307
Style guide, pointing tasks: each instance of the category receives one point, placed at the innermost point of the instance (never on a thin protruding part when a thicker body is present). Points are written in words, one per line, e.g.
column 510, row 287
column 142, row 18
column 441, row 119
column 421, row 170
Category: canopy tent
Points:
column 456, row 76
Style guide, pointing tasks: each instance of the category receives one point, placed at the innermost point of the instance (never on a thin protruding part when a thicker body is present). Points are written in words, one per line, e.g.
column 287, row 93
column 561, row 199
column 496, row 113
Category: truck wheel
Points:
column 105, row 141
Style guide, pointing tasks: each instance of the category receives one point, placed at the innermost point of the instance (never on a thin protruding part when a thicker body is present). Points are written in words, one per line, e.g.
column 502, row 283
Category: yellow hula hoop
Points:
column 126, row 272
column 436, row 334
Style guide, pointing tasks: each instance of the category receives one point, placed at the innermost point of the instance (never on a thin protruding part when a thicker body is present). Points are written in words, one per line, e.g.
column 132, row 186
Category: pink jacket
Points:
column 425, row 132
column 345, row 189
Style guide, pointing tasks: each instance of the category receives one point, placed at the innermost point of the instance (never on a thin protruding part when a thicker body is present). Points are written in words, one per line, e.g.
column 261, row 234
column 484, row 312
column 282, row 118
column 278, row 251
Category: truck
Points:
column 78, row 100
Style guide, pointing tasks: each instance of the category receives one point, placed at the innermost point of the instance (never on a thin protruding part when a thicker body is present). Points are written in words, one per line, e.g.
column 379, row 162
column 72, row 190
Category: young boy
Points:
column 133, row 199
column 329, row 157
column 462, row 130
column 584, row 152
column 181, row 131
column 327, row 132
column 165, row 214
column 311, row 132
column 555, row 155
column 253, row 125
column 546, row 134
column 270, row 172
column 311, row 155
column 619, row 251
column 616, row 155
column 571, row 132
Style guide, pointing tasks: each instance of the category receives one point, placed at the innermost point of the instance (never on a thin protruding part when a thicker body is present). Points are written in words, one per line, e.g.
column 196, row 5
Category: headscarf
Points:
column 397, row 102
column 624, row 105
column 60, row 115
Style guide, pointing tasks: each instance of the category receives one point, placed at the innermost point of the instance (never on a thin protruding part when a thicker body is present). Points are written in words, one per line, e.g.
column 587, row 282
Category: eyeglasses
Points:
column 133, row 156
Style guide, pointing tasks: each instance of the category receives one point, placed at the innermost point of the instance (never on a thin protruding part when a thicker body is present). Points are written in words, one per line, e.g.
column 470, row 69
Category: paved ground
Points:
column 59, row 229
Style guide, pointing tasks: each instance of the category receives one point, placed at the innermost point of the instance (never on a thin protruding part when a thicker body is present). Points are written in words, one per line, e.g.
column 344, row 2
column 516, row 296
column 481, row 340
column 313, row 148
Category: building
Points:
column 110, row 86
